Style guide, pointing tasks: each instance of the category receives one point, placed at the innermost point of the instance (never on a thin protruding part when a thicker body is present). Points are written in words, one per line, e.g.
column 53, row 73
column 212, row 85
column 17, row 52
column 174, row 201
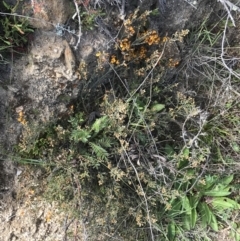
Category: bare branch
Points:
column 229, row 6
column 79, row 24
column 192, row 4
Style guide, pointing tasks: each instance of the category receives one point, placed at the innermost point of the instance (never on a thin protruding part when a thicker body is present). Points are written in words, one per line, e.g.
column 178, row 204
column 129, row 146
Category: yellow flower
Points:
column 48, row 216
column 114, row 60
column 173, row 63
column 153, row 38
column 127, row 22
column 98, row 54
column 125, row 44
column 131, row 31
column 21, row 118
column 165, row 39
column 142, row 53
column 168, row 206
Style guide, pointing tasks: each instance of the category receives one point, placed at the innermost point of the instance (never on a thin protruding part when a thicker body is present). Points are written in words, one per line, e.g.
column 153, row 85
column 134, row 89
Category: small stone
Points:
column 19, row 109
column 69, row 58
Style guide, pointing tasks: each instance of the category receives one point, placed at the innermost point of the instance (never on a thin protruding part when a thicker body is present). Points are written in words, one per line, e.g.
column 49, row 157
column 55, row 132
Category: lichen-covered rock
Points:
column 48, row 75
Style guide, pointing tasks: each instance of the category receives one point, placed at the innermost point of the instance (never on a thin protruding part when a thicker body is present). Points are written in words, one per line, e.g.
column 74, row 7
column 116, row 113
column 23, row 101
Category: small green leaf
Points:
column 176, row 209
column 217, row 193
column 193, row 200
column 99, row 151
column 80, row 135
column 186, row 205
column 214, row 224
column 139, row 105
column 182, row 163
column 224, row 203
column 6, row 5
column 157, row 227
column 237, row 235
column 205, row 212
column 157, row 107
column 210, row 181
column 186, row 153
column 171, row 231
column 6, row 42
column 100, row 124
column 204, row 221
column 235, row 147
column 169, row 150
column 155, row 12
column 227, row 180
column 193, row 218
column 235, row 232
column 186, row 222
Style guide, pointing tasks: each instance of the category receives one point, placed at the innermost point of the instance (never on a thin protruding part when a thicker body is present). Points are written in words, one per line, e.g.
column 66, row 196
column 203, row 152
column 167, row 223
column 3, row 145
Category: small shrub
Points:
column 14, row 30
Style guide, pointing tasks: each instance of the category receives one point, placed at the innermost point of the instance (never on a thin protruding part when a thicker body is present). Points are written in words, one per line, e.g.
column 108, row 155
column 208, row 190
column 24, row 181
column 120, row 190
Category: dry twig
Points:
column 229, row 6
column 79, row 24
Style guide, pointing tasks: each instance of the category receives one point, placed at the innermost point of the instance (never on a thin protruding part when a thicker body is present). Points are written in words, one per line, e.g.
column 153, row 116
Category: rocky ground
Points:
column 43, row 82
